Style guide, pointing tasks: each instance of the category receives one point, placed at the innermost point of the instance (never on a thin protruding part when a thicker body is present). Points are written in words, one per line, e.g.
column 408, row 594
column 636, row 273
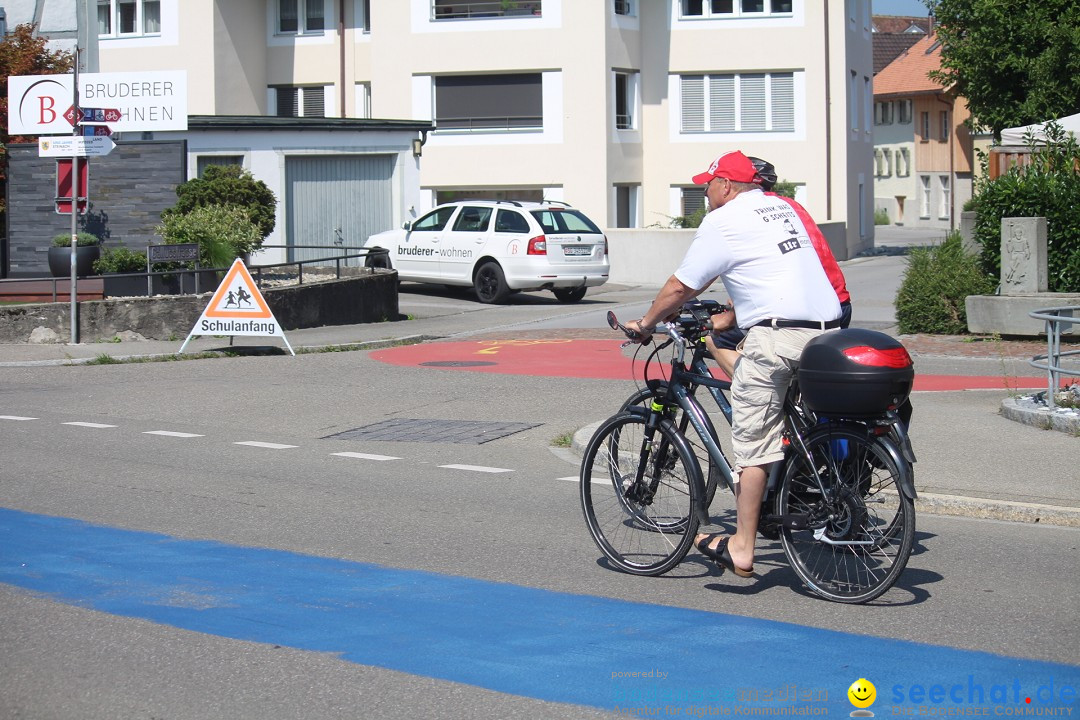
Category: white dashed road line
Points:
column 477, row 468
column 15, row 417
column 89, row 425
column 268, row 446
column 365, row 456
column 170, row 433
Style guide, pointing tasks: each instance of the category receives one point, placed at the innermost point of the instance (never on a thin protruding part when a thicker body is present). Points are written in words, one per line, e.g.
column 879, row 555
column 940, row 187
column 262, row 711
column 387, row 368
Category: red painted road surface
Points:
column 602, row 359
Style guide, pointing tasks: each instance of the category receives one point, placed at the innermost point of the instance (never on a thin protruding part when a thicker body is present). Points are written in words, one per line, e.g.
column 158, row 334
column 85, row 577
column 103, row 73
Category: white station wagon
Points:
column 498, row 247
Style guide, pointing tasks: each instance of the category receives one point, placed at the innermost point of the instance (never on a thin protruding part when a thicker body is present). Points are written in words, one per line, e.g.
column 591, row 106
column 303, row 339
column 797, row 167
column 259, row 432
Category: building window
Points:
column 126, row 18
column 365, row 21
column 883, row 113
column 738, row 103
column 903, row 162
column 924, row 196
column 946, row 197
column 868, row 104
column 733, row 8
column 625, row 100
column 925, row 125
column 489, row 102
column 944, row 126
column 363, row 100
column 624, row 7
column 853, row 101
column 693, row 199
column 479, row 9
column 904, row 107
column 297, row 17
column 626, row 206
column 204, row 161
column 303, row 101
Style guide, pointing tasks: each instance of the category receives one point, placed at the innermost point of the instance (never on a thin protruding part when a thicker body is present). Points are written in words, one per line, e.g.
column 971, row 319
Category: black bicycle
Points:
column 841, row 501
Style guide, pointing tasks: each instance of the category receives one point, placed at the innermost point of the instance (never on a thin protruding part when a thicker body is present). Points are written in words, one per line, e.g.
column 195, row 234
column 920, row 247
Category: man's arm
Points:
column 670, row 298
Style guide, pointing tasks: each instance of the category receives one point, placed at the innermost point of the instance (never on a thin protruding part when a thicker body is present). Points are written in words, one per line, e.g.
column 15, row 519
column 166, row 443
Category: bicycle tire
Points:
column 643, row 527
column 682, row 421
column 870, row 516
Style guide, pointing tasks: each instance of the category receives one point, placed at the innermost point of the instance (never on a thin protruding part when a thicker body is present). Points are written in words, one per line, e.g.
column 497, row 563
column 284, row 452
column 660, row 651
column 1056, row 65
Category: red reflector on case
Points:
column 537, row 245
column 866, row 355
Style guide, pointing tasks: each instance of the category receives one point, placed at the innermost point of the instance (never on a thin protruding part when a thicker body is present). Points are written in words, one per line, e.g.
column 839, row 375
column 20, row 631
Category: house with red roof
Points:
column 923, row 156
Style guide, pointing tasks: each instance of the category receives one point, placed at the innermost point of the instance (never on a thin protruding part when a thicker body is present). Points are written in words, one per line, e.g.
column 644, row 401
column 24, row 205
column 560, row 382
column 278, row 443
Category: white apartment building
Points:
column 611, row 105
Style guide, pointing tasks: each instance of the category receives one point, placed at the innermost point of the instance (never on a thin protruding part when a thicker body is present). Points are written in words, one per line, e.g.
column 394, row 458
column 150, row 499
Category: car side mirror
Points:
column 407, row 225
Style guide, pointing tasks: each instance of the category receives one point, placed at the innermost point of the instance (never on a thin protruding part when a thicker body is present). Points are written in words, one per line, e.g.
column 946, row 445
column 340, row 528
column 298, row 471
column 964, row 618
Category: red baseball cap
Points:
column 733, row 166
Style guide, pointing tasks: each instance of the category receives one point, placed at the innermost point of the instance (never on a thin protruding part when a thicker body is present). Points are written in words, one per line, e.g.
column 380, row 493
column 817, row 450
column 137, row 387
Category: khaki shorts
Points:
column 768, row 358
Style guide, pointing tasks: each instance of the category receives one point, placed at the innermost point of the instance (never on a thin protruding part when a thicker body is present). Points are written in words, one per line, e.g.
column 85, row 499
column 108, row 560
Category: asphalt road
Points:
column 198, row 546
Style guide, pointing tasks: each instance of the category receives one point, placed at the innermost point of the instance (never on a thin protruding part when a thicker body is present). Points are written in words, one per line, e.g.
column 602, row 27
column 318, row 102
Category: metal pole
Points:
column 75, row 206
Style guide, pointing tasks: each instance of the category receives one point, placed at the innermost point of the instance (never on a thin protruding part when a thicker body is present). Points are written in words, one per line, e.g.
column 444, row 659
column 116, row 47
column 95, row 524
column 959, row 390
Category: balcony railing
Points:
column 452, row 10
column 514, row 122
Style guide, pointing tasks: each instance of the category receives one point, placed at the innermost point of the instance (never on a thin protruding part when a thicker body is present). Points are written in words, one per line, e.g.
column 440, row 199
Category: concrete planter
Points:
column 179, row 283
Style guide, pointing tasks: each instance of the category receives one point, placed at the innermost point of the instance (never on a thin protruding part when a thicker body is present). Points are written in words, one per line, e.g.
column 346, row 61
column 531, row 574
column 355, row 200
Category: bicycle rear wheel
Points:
column 643, row 525
column 643, row 397
column 855, row 546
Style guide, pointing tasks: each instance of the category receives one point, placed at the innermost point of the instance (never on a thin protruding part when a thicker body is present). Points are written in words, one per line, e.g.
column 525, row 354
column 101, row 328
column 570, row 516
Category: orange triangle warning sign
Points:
column 237, row 307
column 238, row 296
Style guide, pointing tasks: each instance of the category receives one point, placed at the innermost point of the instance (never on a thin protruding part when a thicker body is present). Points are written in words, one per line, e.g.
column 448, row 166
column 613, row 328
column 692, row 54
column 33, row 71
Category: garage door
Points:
column 336, row 201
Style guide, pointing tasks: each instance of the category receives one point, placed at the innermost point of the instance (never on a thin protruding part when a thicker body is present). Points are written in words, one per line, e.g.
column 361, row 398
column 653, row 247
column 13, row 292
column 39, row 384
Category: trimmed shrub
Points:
column 228, row 185
column 81, row 239
column 120, row 260
column 1049, row 187
column 938, row 279
column 223, row 233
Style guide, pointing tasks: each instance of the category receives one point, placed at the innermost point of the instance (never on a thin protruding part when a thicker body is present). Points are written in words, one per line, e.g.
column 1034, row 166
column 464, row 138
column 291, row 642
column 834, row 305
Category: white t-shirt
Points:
column 762, row 252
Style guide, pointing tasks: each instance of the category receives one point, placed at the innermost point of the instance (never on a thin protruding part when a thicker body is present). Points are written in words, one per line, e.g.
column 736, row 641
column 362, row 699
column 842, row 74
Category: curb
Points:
column 1062, row 419
column 935, row 504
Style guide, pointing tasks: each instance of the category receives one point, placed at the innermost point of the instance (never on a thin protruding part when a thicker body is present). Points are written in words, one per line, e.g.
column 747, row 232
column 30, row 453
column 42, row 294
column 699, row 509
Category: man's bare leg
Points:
column 724, row 358
column 749, row 492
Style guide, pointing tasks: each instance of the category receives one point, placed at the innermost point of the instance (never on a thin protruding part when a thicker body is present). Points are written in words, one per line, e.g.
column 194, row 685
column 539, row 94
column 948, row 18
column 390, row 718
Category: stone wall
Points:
column 370, row 297
column 129, row 188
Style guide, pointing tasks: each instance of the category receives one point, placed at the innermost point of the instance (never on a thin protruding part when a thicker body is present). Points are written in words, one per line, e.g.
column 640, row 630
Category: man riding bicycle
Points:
column 761, row 250
column 723, row 344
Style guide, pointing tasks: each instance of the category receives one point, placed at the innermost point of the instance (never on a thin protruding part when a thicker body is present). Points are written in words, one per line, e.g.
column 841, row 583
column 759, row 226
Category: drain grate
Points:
column 462, row 432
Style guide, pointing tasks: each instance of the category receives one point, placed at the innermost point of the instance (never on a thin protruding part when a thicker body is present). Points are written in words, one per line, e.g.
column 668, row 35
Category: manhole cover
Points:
column 462, row 432
column 457, row 363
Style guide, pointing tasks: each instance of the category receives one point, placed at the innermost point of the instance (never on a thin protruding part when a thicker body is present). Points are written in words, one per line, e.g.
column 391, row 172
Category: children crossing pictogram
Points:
column 237, row 307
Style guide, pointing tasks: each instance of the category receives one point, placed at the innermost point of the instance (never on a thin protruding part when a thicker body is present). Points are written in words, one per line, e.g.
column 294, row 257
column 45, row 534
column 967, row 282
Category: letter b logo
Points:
column 46, row 115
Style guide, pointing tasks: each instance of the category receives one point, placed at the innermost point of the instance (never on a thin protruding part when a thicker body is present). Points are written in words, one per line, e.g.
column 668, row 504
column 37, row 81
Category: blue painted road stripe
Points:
column 518, row 640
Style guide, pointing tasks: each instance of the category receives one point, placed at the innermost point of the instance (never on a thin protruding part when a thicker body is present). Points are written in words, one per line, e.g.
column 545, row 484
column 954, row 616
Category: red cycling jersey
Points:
column 828, row 262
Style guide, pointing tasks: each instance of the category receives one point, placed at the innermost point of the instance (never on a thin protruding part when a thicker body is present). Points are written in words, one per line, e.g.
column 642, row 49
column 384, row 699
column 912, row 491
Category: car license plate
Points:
column 576, row 250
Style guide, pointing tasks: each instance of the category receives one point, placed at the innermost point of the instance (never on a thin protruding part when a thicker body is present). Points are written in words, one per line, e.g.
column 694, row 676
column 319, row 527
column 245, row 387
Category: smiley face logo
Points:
column 862, row 693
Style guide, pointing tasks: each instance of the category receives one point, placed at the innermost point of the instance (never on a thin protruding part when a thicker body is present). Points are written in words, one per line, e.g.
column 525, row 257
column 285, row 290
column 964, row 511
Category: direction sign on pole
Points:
column 92, row 130
column 75, row 145
column 79, row 116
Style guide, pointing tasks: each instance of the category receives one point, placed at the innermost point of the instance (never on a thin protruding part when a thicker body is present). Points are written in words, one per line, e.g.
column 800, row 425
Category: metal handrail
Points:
column 256, row 269
column 1054, row 318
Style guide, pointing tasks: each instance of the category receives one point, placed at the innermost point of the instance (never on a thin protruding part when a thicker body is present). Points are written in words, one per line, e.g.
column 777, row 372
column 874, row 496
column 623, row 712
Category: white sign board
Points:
column 77, row 145
column 147, row 101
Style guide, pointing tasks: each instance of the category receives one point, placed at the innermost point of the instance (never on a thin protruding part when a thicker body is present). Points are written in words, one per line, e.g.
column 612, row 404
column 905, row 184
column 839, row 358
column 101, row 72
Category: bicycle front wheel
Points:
column 643, row 398
column 638, row 494
column 855, row 545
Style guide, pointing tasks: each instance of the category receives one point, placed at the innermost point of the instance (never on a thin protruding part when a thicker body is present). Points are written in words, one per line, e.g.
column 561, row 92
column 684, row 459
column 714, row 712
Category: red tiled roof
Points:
column 906, row 75
column 888, row 46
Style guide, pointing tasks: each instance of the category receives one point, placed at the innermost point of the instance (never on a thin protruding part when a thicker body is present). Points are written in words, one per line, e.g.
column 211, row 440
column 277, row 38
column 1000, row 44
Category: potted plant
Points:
column 113, row 263
column 88, row 249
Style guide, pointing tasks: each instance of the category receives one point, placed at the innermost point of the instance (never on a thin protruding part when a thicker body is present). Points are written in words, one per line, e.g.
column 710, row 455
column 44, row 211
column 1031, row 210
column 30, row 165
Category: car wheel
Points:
column 490, row 283
column 569, row 295
column 378, row 258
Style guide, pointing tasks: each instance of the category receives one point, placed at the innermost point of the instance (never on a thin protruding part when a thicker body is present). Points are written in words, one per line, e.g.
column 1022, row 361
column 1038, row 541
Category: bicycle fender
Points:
column 906, row 479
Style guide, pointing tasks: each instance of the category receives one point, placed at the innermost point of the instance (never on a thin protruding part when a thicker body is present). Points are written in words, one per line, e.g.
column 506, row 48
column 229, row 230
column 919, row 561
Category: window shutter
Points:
column 693, row 103
column 693, row 199
column 287, row 105
column 722, row 103
column 314, row 105
column 752, row 102
column 783, row 101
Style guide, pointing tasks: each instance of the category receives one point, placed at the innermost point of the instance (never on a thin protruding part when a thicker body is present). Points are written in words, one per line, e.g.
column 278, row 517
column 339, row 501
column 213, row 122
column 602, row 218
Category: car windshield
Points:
column 564, row 221
column 434, row 221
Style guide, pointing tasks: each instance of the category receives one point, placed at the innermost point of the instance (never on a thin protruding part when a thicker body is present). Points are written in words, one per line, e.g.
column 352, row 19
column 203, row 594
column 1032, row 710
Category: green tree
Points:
column 21, row 53
column 223, row 232
column 228, row 185
column 1015, row 62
